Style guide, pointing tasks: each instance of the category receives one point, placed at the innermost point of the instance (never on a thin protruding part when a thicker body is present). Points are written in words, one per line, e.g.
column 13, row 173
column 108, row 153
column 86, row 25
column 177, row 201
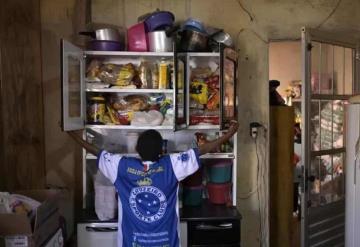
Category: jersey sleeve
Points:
column 185, row 164
column 108, row 164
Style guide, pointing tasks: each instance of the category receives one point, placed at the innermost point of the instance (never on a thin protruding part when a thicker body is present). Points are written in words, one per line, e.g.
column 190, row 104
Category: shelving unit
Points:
column 74, row 116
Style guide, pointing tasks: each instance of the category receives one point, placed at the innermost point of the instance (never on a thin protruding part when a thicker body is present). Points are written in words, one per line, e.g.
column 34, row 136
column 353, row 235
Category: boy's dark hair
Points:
column 149, row 145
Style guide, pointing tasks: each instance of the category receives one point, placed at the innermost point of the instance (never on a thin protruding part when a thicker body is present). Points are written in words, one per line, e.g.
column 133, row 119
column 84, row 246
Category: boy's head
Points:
column 149, row 145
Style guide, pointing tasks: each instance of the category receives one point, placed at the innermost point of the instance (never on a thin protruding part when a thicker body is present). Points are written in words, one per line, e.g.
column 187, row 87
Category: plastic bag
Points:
column 151, row 118
column 105, row 197
column 199, row 92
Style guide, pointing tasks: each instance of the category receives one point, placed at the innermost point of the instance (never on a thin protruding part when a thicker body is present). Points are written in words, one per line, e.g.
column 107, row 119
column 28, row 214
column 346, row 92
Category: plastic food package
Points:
column 137, row 102
column 93, row 70
column 119, row 75
column 105, row 197
column 214, row 100
column 150, row 118
column 199, row 92
column 19, row 204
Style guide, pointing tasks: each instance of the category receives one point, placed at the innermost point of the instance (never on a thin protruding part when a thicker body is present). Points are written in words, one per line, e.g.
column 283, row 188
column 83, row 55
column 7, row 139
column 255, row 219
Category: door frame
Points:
column 308, row 35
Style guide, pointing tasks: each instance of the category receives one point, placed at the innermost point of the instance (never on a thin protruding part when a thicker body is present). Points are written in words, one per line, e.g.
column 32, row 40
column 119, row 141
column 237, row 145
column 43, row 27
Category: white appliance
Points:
column 352, row 198
column 97, row 234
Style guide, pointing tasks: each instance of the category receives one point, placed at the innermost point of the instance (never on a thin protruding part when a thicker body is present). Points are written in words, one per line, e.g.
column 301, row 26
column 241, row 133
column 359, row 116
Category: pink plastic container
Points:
column 219, row 193
column 137, row 38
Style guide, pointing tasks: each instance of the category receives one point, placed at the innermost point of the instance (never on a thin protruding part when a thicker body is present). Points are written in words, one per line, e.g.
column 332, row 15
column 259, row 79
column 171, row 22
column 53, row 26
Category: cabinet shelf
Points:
column 120, row 90
column 204, row 127
column 205, row 156
column 129, row 54
column 203, row 54
column 128, row 127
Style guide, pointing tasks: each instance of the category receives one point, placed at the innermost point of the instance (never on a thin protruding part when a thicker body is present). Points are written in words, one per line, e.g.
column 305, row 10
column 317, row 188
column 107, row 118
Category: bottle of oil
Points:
column 163, row 75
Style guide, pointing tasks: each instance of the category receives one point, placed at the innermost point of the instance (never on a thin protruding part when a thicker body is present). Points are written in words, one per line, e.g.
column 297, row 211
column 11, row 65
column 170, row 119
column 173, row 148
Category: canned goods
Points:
column 96, row 110
column 163, row 75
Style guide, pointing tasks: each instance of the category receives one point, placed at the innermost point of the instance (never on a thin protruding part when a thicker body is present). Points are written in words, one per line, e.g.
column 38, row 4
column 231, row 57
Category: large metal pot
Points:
column 159, row 41
column 106, row 45
column 109, row 34
column 193, row 41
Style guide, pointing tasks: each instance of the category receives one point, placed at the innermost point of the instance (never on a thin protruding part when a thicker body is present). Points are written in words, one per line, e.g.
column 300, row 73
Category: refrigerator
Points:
column 352, row 186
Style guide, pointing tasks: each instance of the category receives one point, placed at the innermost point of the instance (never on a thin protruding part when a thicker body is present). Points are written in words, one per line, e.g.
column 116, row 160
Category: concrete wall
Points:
column 271, row 19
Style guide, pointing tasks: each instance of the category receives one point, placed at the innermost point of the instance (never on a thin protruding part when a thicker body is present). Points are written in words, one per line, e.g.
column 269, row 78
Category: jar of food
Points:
column 96, row 110
column 155, row 76
column 145, row 74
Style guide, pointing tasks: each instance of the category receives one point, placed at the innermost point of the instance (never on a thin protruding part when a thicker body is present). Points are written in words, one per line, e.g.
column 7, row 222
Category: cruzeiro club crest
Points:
column 147, row 203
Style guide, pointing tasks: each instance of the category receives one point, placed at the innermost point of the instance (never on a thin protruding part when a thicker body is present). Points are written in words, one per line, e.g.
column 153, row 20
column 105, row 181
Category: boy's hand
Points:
column 234, row 126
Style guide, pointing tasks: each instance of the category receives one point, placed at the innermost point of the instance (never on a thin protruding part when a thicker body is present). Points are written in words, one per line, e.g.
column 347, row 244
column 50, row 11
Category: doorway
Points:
column 317, row 76
column 285, row 67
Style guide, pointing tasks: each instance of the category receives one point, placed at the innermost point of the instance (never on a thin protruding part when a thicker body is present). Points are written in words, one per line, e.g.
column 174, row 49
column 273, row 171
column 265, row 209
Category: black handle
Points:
column 205, row 227
column 101, row 229
column 169, row 31
column 91, row 34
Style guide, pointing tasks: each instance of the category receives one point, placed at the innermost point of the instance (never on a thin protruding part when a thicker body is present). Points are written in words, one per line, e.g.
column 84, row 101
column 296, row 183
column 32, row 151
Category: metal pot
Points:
column 106, row 45
column 109, row 34
column 159, row 41
column 222, row 37
column 193, row 41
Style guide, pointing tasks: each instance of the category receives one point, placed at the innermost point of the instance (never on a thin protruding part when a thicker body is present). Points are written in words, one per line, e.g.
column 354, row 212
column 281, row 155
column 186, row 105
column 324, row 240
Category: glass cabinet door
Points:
column 73, row 93
column 228, row 87
column 180, row 92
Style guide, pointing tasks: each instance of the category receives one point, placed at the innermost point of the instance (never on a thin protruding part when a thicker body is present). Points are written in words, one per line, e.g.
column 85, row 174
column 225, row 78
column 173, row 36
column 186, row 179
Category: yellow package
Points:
column 199, row 92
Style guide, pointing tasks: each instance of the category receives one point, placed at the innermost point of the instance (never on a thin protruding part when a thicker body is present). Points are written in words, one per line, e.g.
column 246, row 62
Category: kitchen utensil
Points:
column 136, row 38
column 159, row 20
column 160, row 42
column 222, row 37
column 106, row 45
column 110, row 34
column 195, row 25
column 193, row 41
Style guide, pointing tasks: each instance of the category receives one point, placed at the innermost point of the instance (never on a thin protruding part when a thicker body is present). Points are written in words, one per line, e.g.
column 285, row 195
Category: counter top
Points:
column 207, row 211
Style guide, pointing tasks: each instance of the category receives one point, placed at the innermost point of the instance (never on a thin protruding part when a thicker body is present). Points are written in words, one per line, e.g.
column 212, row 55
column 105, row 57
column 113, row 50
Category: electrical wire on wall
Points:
column 261, row 180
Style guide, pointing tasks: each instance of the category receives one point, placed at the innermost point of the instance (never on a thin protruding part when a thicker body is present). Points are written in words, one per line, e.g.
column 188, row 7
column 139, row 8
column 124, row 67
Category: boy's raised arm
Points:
column 89, row 147
column 209, row 146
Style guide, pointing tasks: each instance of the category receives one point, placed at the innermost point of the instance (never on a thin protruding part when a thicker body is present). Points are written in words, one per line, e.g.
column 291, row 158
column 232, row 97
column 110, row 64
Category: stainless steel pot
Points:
column 222, row 37
column 110, row 34
column 193, row 41
column 159, row 41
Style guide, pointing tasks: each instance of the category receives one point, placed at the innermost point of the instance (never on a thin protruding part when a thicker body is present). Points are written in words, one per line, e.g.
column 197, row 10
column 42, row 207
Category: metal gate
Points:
column 329, row 76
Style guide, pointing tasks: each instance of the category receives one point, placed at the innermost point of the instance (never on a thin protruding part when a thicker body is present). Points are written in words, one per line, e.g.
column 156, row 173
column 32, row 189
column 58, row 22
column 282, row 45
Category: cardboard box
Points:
column 17, row 229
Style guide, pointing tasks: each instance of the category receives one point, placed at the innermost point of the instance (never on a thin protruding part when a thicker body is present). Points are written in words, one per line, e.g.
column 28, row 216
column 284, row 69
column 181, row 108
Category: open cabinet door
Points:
column 72, row 84
column 180, row 92
column 228, row 98
column 329, row 77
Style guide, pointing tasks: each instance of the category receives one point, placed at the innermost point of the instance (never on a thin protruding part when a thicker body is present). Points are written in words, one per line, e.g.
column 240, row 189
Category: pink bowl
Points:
column 137, row 38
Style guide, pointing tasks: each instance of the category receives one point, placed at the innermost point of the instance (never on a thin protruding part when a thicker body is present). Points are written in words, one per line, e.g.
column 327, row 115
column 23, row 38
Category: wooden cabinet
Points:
column 281, row 174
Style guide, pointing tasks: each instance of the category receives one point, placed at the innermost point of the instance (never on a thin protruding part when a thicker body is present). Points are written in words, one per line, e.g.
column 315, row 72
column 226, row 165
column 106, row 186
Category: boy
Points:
column 148, row 187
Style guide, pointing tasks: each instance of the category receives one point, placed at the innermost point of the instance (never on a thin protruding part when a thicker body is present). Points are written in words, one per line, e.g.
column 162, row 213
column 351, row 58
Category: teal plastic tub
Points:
column 192, row 196
column 220, row 171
